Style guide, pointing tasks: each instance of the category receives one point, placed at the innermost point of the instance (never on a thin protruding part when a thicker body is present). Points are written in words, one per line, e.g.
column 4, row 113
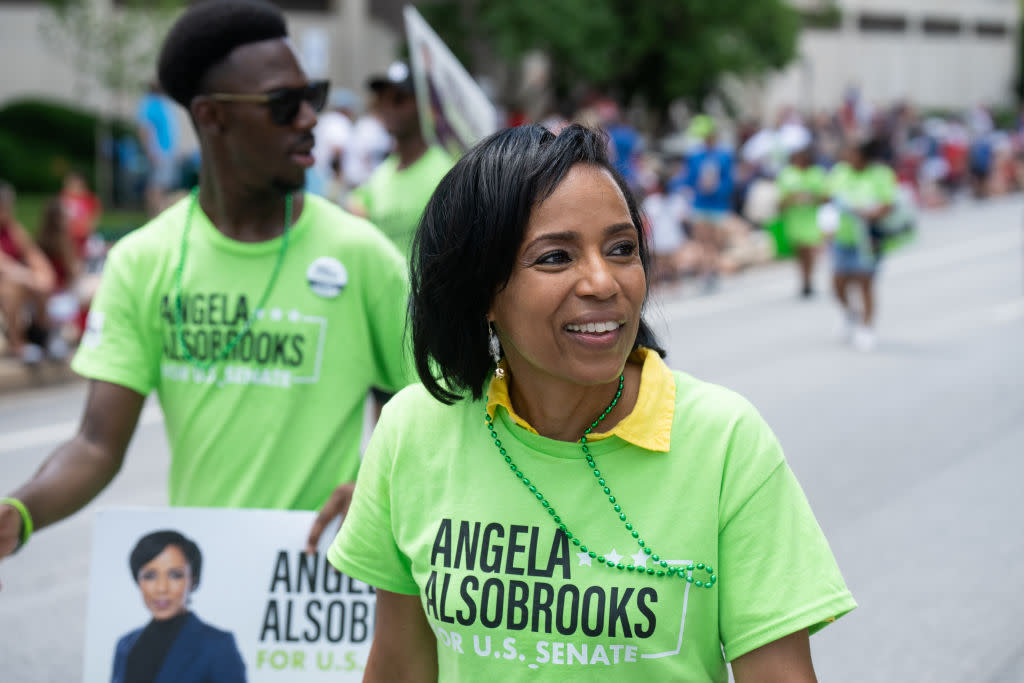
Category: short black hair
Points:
column 152, row 544
column 874, row 149
column 206, row 34
column 468, row 239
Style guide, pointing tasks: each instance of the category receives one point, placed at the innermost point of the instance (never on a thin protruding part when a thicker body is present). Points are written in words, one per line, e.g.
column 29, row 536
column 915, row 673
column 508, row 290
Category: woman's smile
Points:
column 600, row 334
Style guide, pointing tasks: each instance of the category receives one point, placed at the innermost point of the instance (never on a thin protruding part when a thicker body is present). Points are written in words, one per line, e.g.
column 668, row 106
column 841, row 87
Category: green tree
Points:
column 659, row 50
column 111, row 44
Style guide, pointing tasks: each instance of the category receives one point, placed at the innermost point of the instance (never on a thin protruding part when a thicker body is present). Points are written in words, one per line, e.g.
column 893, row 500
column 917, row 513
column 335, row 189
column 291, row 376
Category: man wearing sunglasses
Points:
column 261, row 316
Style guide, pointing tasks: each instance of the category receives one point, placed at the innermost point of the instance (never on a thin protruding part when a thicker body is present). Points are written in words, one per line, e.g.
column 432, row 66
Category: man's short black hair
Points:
column 152, row 544
column 468, row 239
column 207, row 33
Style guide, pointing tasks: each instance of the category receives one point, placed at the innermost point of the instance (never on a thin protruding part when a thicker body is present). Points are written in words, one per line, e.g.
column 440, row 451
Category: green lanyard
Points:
column 205, row 366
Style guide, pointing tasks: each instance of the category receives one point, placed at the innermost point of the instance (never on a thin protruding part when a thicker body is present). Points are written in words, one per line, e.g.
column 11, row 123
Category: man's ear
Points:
column 207, row 114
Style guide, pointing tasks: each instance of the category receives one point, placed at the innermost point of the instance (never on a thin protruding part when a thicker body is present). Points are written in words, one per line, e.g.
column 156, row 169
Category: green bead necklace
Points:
column 206, row 365
column 662, row 568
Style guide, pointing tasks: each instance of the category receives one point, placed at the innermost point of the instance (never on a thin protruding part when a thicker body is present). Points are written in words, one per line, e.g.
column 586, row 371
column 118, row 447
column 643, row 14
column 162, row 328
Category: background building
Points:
column 340, row 39
column 936, row 54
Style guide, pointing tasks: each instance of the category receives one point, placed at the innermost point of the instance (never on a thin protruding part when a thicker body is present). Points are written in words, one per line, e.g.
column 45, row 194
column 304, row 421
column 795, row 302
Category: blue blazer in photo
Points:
column 200, row 654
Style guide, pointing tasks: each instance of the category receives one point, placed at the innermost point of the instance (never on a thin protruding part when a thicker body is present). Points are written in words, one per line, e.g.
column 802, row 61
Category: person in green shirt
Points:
column 802, row 189
column 863, row 191
column 259, row 315
column 396, row 192
column 553, row 503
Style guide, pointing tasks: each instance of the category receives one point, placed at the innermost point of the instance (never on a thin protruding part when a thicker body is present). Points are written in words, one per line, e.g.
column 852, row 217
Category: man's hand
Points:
column 78, row 469
column 10, row 529
column 336, row 505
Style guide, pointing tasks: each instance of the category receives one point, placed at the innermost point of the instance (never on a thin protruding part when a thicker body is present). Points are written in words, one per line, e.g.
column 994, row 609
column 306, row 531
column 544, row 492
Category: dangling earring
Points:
column 494, row 346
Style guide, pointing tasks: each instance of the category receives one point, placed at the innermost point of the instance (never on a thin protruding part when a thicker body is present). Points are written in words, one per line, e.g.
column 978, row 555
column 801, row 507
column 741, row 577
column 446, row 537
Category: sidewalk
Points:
column 16, row 376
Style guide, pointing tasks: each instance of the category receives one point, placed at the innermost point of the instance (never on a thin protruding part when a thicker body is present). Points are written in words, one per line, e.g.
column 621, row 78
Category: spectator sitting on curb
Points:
column 69, row 296
column 26, row 279
column 82, row 210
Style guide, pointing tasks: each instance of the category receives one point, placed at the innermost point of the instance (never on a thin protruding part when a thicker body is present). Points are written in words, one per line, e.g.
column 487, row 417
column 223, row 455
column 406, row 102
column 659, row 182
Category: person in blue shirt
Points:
column 624, row 144
column 158, row 132
column 708, row 179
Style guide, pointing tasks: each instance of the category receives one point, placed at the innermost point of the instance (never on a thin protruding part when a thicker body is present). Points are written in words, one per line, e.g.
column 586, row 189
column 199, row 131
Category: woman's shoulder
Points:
column 697, row 399
column 208, row 637
column 415, row 406
column 726, row 423
column 415, row 402
column 128, row 639
column 208, row 629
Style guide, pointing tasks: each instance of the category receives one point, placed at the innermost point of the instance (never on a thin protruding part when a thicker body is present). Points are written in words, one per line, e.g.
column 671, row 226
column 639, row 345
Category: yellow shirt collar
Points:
column 649, row 425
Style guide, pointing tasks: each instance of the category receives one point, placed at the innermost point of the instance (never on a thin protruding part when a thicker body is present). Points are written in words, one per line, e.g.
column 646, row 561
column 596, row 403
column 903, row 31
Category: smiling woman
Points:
column 647, row 520
column 175, row 645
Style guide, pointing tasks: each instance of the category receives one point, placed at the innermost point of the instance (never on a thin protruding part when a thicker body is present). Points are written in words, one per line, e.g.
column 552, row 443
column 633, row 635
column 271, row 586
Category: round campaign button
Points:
column 326, row 277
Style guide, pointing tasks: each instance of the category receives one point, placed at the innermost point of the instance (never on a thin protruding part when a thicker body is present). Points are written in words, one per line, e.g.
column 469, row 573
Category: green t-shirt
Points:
column 858, row 190
column 394, row 199
column 278, row 423
column 438, row 513
column 801, row 220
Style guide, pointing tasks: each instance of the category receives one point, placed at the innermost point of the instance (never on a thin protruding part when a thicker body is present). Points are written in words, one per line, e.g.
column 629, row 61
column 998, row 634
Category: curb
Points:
column 16, row 376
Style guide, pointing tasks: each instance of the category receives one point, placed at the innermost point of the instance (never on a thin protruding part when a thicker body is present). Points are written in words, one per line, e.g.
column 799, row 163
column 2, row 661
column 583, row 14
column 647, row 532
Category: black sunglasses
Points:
column 284, row 103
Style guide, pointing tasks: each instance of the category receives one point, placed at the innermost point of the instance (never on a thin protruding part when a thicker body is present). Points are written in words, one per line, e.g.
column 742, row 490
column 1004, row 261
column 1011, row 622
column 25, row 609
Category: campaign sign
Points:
column 221, row 595
column 454, row 110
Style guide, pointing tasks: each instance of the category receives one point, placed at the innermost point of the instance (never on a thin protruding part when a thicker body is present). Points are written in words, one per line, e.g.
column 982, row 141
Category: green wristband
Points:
column 26, row 519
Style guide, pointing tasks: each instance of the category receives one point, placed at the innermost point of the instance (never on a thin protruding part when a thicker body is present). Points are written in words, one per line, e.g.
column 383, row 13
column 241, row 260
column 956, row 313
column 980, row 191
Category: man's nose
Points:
column 307, row 117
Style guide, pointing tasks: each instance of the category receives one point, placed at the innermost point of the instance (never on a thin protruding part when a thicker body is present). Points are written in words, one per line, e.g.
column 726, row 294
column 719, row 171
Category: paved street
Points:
column 911, row 456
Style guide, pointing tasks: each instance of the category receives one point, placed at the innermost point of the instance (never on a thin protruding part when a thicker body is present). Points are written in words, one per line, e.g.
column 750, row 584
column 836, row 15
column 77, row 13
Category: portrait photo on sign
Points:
column 175, row 644
column 182, row 595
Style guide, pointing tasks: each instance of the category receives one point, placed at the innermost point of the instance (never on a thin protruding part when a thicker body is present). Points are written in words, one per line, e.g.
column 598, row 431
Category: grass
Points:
column 113, row 222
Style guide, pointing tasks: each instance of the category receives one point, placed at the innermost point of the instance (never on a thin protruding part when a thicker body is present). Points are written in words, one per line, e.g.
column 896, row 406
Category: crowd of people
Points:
column 720, row 195
column 47, row 279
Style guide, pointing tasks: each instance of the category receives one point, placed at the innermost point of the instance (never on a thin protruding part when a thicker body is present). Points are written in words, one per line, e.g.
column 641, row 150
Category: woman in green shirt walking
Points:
column 553, row 503
column 863, row 190
column 803, row 187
